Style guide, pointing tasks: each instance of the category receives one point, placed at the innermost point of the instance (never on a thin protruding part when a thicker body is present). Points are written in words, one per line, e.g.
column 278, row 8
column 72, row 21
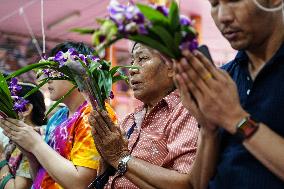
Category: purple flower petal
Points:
column 139, row 18
column 47, row 72
column 93, row 58
column 164, row 10
column 142, row 29
column 14, row 87
column 19, row 104
column 129, row 19
column 72, row 52
column 82, row 57
column 190, row 45
column 111, row 95
column 102, row 38
column 59, row 56
column 185, row 21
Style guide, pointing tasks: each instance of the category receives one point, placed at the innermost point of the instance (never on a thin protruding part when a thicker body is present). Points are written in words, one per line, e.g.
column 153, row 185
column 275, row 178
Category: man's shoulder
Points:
column 241, row 56
column 229, row 66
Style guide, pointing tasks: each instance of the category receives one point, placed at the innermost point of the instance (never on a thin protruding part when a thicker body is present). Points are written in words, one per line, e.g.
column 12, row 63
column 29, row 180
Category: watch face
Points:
column 121, row 168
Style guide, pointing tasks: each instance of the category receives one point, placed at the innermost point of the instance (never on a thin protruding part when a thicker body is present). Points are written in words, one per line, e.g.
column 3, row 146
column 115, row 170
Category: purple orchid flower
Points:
column 164, row 10
column 47, row 72
column 111, row 95
column 14, row 87
column 128, row 19
column 185, row 21
column 19, row 104
column 190, row 45
column 82, row 57
column 93, row 58
column 60, row 58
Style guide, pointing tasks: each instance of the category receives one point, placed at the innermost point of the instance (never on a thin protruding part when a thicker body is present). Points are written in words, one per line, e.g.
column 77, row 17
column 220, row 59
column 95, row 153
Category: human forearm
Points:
column 144, row 174
column 207, row 153
column 267, row 147
column 56, row 166
column 139, row 182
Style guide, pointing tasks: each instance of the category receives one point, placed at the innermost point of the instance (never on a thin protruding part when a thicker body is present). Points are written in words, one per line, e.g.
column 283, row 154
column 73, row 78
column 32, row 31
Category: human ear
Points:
column 29, row 109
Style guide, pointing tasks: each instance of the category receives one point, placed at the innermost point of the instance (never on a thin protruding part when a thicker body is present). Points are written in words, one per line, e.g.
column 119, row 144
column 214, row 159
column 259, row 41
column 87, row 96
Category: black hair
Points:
column 80, row 47
column 37, row 100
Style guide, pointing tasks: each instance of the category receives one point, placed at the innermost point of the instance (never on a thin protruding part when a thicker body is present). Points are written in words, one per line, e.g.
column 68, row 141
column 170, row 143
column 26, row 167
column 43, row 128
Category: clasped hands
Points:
column 109, row 139
column 208, row 92
column 22, row 134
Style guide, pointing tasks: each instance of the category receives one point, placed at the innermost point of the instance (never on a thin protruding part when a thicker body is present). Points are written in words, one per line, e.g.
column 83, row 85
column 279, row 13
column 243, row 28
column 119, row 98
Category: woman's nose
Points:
column 133, row 71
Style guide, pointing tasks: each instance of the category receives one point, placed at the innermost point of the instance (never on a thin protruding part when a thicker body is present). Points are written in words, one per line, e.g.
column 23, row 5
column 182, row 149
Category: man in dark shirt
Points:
column 241, row 111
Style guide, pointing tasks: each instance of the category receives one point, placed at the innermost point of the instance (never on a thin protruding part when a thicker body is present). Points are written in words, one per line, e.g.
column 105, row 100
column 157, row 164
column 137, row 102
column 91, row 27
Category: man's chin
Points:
column 238, row 45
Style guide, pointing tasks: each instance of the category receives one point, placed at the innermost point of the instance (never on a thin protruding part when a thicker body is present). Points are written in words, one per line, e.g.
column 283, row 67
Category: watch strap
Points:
column 247, row 127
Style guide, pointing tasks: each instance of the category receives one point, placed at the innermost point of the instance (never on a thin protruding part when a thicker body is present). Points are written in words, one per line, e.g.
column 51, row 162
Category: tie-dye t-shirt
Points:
column 72, row 139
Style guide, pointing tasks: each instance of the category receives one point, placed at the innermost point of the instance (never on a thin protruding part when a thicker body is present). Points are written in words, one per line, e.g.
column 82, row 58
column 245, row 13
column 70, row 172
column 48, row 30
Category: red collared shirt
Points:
column 167, row 137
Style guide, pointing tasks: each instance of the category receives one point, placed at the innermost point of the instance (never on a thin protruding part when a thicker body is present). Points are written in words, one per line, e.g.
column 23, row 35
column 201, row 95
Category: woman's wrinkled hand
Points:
column 109, row 140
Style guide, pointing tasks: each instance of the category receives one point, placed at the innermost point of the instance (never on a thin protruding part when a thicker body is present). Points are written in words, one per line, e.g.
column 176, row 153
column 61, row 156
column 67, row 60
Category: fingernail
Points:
column 195, row 52
column 185, row 52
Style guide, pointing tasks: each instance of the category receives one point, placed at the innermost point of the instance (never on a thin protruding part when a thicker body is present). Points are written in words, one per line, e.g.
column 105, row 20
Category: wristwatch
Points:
column 247, row 127
column 122, row 165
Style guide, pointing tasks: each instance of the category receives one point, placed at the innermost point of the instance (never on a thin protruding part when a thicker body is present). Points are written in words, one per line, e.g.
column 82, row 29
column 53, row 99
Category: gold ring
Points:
column 207, row 76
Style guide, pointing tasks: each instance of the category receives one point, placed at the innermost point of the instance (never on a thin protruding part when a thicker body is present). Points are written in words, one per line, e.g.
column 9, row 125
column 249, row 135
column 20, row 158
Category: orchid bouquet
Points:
column 10, row 103
column 158, row 27
column 93, row 76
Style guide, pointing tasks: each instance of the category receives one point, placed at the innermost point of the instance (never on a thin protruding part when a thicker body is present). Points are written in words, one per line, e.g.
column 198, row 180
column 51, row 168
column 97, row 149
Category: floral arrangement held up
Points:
column 93, row 76
column 158, row 27
column 10, row 103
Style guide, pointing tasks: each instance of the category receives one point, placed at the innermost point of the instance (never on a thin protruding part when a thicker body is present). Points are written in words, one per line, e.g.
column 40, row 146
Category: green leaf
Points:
column 119, row 78
column 190, row 31
column 59, row 101
column 6, row 99
column 4, row 87
column 165, row 36
column 114, row 69
column 29, row 68
column 83, row 30
column 178, row 40
column 84, row 66
column 153, row 44
column 174, row 16
column 101, row 79
column 94, row 66
column 4, row 108
column 96, row 92
column 153, row 15
column 107, row 83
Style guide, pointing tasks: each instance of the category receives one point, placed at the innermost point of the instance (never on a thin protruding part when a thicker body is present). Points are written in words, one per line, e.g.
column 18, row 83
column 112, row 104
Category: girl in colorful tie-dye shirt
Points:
column 69, row 159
